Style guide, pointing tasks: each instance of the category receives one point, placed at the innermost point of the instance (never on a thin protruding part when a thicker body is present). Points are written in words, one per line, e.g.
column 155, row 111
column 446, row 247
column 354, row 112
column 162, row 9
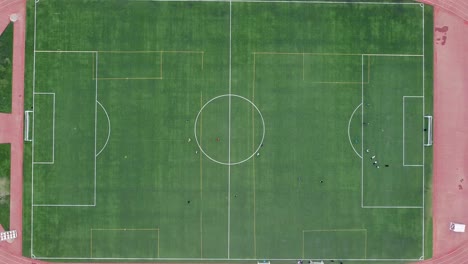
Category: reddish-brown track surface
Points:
column 450, row 192
column 456, row 7
column 11, row 125
column 450, row 178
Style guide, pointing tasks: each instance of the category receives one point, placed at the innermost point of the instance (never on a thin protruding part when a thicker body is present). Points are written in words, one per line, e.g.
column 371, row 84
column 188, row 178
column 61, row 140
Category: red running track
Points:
column 450, row 178
column 11, row 125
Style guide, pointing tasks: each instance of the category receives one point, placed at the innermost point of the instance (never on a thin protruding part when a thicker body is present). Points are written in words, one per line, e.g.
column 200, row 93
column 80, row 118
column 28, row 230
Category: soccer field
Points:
column 215, row 130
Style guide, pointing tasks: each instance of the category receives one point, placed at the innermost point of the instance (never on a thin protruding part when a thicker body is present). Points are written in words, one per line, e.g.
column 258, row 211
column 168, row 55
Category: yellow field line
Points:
column 161, row 65
column 130, row 78
column 150, row 51
column 91, row 244
column 202, row 59
column 93, row 77
column 368, row 69
column 303, row 66
column 201, row 178
column 303, row 243
column 122, row 229
column 161, row 52
column 335, row 230
column 339, row 82
column 365, row 244
column 323, row 54
column 182, row 51
column 253, row 161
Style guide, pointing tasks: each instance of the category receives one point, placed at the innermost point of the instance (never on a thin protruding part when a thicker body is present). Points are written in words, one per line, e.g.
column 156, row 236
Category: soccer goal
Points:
column 27, row 115
column 429, row 131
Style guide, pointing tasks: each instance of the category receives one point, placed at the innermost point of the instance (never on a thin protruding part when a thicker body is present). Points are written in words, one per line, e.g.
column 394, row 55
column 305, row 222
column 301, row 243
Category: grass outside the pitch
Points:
column 6, row 55
column 5, row 185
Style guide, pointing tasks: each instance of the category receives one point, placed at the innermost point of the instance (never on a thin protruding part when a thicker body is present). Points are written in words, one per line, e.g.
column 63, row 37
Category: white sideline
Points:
column 424, row 112
column 214, row 259
column 362, row 130
column 282, row 1
column 229, row 144
column 95, row 122
column 32, row 132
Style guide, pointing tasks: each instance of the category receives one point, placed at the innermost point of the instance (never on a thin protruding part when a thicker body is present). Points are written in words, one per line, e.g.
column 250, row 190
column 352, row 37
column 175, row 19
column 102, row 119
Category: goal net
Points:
column 428, row 142
column 27, row 116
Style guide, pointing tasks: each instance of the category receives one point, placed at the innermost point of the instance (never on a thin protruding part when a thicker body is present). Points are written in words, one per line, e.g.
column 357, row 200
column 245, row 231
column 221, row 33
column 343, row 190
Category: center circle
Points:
column 224, row 140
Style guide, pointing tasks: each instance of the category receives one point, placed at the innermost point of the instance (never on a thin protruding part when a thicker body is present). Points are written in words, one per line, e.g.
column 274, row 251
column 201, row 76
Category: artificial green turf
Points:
column 300, row 64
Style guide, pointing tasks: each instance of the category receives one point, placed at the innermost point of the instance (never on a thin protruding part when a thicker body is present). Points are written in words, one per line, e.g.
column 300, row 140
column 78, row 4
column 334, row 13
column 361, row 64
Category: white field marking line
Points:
column 303, row 67
column 95, row 123
column 424, row 111
column 32, row 135
column 335, row 230
column 53, row 129
column 201, row 179
column 284, row 1
column 394, row 55
column 215, row 259
column 109, row 131
column 349, row 126
column 362, row 162
column 119, row 51
column 404, row 100
column 362, row 130
column 122, row 229
column 336, row 54
column 253, row 164
column 161, row 55
column 64, row 51
column 392, row 207
column 95, row 142
column 229, row 141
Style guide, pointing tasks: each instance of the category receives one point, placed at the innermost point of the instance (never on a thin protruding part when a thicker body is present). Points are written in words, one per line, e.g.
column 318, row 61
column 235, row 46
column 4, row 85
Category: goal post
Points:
column 428, row 142
column 27, row 118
